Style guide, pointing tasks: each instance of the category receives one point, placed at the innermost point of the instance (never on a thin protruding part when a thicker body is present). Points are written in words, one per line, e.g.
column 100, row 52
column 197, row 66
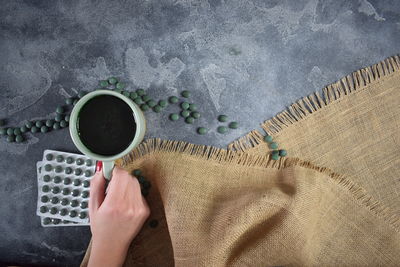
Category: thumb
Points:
column 97, row 185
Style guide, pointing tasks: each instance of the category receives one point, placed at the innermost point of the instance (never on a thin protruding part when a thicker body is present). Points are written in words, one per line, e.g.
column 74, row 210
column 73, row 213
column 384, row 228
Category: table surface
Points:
column 248, row 59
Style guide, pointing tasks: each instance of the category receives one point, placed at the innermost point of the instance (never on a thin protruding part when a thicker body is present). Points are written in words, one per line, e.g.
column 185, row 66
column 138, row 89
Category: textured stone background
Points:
column 248, row 59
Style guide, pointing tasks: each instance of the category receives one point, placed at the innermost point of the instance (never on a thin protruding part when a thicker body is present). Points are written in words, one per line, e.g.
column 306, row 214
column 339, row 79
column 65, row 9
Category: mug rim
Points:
column 138, row 116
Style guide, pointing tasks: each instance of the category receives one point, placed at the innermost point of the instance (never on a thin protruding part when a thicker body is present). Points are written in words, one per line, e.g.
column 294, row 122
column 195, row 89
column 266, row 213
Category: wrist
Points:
column 107, row 253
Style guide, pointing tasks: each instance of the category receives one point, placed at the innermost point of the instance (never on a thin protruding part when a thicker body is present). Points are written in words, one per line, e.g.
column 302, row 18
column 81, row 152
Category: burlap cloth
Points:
column 353, row 128
column 240, row 208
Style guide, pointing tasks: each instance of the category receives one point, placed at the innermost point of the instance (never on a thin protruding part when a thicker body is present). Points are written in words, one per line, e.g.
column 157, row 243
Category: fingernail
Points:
column 99, row 166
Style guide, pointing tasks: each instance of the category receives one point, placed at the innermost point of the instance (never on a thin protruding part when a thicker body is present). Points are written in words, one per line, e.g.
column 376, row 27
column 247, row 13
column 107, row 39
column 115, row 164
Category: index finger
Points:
column 97, row 185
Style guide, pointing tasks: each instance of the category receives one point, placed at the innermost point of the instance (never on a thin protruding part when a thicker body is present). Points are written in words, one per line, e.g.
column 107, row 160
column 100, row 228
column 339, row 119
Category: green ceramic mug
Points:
column 108, row 161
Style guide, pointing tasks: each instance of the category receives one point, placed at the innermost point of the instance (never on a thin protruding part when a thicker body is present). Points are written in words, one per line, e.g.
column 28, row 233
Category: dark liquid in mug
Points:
column 106, row 125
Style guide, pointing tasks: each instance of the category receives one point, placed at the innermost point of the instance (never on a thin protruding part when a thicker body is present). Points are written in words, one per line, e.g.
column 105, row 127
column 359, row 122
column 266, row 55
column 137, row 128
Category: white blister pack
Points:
column 53, row 222
column 63, row 188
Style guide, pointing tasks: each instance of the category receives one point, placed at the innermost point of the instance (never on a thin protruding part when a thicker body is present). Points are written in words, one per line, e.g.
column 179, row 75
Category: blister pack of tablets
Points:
column 47, row 221
column 63, row 188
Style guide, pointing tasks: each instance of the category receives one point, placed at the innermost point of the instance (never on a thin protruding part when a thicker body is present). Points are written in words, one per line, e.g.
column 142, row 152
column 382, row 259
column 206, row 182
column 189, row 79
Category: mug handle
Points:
column 108, row 167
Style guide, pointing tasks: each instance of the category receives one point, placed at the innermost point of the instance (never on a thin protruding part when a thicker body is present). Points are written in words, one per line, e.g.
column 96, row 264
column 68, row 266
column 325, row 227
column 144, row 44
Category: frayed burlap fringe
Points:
column 332, row 93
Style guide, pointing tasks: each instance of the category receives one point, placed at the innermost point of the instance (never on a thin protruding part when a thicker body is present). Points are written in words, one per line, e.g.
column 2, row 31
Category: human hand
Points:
column 115, row 217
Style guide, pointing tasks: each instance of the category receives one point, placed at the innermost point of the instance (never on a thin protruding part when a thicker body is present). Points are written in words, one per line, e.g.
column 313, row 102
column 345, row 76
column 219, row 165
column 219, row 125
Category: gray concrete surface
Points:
column 248, row 59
